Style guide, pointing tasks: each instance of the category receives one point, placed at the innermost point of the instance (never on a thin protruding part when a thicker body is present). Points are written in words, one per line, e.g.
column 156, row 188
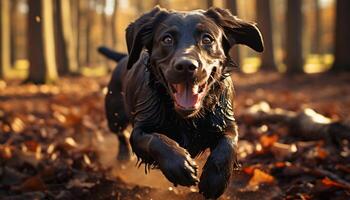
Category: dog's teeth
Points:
column 195, row 89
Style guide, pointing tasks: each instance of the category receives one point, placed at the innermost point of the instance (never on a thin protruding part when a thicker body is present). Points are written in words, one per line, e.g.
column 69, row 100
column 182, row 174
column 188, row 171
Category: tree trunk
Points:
column 316, row 39
column 106, row 21
column 264, row 19
column 82, row 33
column 162, row 3
column 90, row 15
column 294, row 57
column 65, row 45
column 13, row 18
column 139, row 6
column 210, row 3
column 115, row 25
column 5, row 45
column 75, row 21
column 342, row 36
column 41, row 43
column 234, row 52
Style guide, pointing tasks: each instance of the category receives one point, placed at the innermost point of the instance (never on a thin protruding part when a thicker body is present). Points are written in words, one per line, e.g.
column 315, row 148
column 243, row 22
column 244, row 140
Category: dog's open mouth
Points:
column 188, row 96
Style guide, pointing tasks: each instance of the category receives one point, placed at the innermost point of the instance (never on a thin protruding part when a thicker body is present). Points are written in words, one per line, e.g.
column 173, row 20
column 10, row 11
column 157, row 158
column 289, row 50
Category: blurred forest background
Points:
column 292, row 102
column 44, row 39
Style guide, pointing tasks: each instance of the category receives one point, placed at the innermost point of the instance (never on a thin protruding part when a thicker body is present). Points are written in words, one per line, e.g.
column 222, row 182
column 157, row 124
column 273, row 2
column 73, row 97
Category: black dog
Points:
column 176, row 90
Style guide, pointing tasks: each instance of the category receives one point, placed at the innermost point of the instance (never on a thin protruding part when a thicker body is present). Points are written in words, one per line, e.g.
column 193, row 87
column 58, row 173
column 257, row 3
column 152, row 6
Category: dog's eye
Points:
column 207, row 39
column 168, row 40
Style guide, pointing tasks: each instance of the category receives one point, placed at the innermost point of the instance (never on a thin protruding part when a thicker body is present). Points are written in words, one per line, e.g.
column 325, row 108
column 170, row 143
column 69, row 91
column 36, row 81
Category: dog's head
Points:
column 189, row 51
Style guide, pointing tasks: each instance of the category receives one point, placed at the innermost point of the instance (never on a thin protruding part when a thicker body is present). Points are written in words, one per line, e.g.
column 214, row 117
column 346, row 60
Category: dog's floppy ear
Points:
column 236, row 31
column 139, row 34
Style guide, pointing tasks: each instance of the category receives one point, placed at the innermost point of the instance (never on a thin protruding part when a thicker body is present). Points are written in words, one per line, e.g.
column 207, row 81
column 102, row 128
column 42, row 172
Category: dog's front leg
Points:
column 174, row 161
column 218, row 168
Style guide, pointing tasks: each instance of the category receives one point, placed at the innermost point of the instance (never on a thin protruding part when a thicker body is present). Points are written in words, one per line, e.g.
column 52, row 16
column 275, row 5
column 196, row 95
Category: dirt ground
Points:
column 55, row 144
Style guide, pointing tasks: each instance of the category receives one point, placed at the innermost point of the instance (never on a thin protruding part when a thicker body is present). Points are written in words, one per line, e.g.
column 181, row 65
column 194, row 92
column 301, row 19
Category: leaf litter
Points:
column 294, row 144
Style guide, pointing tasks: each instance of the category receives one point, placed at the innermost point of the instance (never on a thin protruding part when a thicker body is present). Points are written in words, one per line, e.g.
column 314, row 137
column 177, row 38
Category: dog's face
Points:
column 189, row 50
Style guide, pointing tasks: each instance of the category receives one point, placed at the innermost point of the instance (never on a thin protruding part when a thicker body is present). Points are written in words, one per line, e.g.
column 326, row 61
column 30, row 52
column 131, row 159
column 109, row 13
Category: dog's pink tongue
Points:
column 186, row 95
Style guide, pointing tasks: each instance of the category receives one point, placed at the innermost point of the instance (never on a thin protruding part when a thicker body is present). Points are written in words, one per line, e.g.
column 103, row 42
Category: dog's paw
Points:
column 213, row 181
column 179, row 168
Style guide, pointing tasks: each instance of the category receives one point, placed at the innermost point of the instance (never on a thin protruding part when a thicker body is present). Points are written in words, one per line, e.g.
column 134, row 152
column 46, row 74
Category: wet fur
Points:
column 161, row 137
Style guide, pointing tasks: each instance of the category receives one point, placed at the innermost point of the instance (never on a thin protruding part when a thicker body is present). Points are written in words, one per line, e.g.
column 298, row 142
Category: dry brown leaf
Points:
column 282, row 151
column 5, row 151
column 71, row 142
column 280, row 164
column 321, row 152
column 17, row 125
column 330, row 183
column 79, row 183
column 304, row 196
column 87, row 159
column 34, row 183
column 259, row 177
column 268, row 140
column 248, row 170
column 343, row 168
column 31, row 145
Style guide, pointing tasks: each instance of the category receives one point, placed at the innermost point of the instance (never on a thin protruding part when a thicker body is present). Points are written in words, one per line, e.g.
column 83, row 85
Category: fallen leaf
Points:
column 330, row 183
column 304, row 196
column 260, row 177
column 71, row 142
column 282, row 151
column 79, row 183
column 248, row 170
column 34, row 183
column 17, row 125
column 5, row 152
column 321, row 152
column 31, row 145
column 280, row 164
column 267, row 141
column 87, row 159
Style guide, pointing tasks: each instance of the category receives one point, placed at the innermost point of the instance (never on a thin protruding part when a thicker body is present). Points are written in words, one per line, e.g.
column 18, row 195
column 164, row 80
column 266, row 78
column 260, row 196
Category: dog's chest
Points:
column 195, row 134
column 155, row 113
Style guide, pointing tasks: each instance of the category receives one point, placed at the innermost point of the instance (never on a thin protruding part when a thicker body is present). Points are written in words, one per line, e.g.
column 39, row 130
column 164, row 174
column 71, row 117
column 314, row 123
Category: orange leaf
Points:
column 280, row 164
column 248, row 170
column 305, row 196
column 17, row 125
column 330, row 183
column 5, row 152
column 260, row 177
column 34, row 183
column 268, row 140
column 31, row 145
column 321, row 153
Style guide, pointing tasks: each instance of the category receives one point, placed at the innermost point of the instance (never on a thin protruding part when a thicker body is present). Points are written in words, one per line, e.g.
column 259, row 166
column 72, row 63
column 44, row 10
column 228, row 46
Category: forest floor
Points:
column 55, row 144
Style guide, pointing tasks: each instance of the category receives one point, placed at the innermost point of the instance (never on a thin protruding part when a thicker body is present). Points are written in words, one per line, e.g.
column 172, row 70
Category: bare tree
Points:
column 82, row 33
column 13, row 17
column 115, row 24
column 162, row 3
column 41, row 43
column 106, row 23
column 264, row 19
column 65, row 44
column 316, row 39
column 5, row 45
column 294, row 57
column 210, row 3
column 234, row 52
column 342, row 36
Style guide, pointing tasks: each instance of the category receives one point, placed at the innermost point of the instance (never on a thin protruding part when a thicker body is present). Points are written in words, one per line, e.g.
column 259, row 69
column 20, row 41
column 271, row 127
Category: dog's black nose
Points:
column 186, row 65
